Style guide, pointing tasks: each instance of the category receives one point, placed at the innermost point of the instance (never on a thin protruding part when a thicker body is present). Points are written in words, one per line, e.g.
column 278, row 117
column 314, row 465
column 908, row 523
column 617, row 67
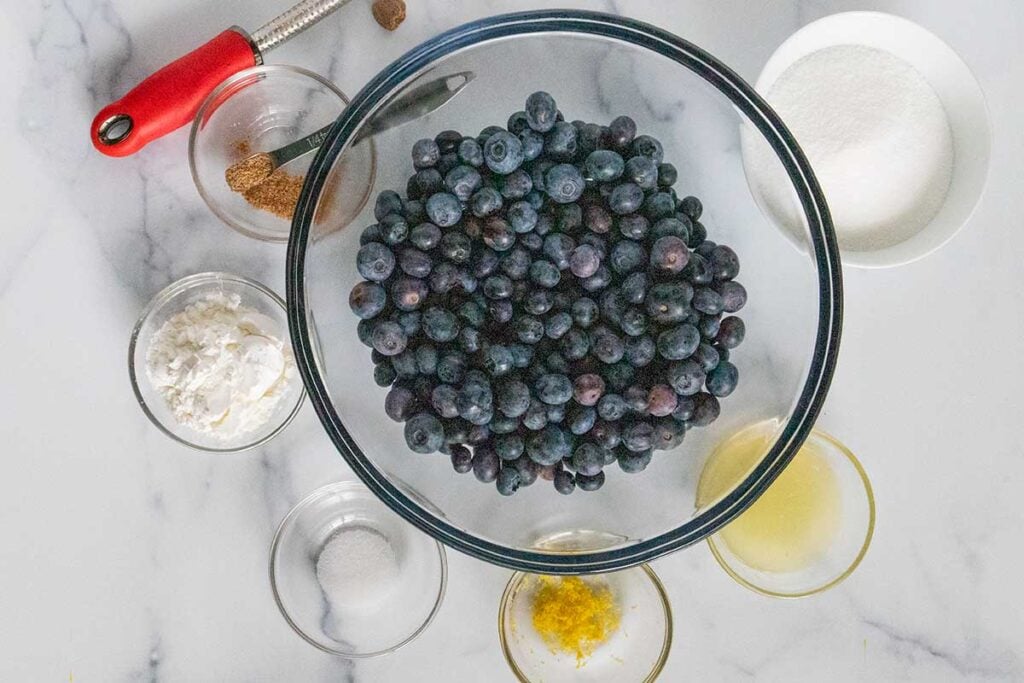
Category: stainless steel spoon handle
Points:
column 293, row 22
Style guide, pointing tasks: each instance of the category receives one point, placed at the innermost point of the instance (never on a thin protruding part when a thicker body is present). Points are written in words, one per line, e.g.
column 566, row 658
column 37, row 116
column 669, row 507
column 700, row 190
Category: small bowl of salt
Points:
column 894, row 125
column 351, row 577
column 211, row 364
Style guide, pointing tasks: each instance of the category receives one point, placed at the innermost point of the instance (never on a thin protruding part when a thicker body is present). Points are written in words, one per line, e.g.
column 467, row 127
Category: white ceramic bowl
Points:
column 956, row 88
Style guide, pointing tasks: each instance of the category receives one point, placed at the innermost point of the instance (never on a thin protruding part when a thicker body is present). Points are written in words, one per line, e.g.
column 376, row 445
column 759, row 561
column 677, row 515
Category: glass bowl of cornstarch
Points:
column 211, row 364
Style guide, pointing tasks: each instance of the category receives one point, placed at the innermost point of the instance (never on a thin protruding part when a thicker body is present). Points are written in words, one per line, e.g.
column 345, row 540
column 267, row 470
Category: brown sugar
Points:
column 389, row 13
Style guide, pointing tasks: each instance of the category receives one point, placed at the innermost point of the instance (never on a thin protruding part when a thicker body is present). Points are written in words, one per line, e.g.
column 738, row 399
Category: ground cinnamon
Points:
column 276, row 192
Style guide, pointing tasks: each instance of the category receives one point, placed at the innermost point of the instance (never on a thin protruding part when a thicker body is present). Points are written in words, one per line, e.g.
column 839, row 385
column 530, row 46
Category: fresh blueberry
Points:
column 425, row 236
column 613, row 305
column 634, row 288
column 707, row 300
column 678, row 342
column 709, row 326
column 557, row 325
column 606, row 435
column 527, row 469
column 730, row 332
column 371, row 233
column 642, row 171
column 588, row 389
column 589, row 483
column 425, row 153
column 545, row 273
column 387, row 202
column 706, row 356
column 671, row 226
column 522, row 355
column 633, row 462
column 621, row 132
column 533, row 144
column 440, row 325
column 722, row 380
column 633, row 321
column 462, row 181
column 587, row 459
column 607, row 348
column 444, row 277
column 548, row 445
column 404, row 364
column 640, row 351
column 428, row 181
column 500, row 310
column 456, row 247
column 485, row 202
column 393, row 228
column 486, row 464
column 646, row 146
column 414, row 262
column 584, row 311
column 569, row 217
column 400, row 403
column 584, row 261
column 661, row 400
column 444, row 209
column 531, row 240
column 556, row 362
column 414, row 211
column 634, row 226
column 698, row 234
column 517, row 122
column 515, row 185
column 698, row 270
column 658, row 205
column 487, row 133
column 581, row 420
column 469, row 339
column 668, row 302
column 508, row 481
column 553, row 389
column 560, row 141
column 529, row 329
column 604, row 165
column 558, row 247
column 503, row 152
column 611, row 407
column 725, row 265
column 367, row 299
column 686, row 377
column 509, row 446
column 734, row 295
column 408, row 293
column 575, row 344
column 667, row 175
column 627, row 256
column 564, row 482
column 556, row 413
column 541, row 111
column 589, row 137
column 563, row 183
column 497, row 360
column 498, row 234
column 691, row 206
column 597, row 219
column 625, row 198
column 462, row 459
column 384, row 375
column 448, row 140
column 638, row 436
column 423, row 433
column 512, row 398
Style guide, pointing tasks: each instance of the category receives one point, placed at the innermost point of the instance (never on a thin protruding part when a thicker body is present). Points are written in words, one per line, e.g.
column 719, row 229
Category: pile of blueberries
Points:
column 543, row 304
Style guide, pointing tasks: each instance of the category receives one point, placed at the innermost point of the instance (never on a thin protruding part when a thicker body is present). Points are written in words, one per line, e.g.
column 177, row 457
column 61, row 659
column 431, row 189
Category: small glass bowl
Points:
column 173, row 299
column 397, row 618
column 856, row 525
column 260, row 110
column 637, row 651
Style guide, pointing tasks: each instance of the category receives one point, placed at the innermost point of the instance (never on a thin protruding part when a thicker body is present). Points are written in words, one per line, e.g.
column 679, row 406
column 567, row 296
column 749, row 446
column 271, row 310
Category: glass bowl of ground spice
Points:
column 236, row 143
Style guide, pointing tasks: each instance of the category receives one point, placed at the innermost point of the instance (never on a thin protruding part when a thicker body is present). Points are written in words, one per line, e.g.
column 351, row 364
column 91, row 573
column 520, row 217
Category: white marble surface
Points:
column 125, row 557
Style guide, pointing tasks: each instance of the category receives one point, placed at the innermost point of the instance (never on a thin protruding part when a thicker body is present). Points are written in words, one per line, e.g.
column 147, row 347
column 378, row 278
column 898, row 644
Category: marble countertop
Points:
column 126, row 557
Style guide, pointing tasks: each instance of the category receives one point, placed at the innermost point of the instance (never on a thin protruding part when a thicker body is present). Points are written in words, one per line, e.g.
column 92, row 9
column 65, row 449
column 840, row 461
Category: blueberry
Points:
column 661, row 400
column 515, row 185
column 472, row 226
column 456, row 431
column 588, row 389
column 384, row 375
column 621, row 132
column 528, row 329
column 564, row 482
column 584, row 261
column 423, row 433
column 638, row 436
column 393, row 228
column 487, row 133
column 698, row 270
column 671, row 226
column 569, row 217
column 522, row 355
column 440, row 325
column 633, row 321
column 456, row 247
column 625, row 198
column 597, row 219
column 512, row 398
column 553, row 389
column 500, row 310
column 686, row 377
column 709, row 326
column 426, row 359
column 536, row 416
column 584, row 311
column 414, row 263
column 606, row 435
column 367, row 299
column 448, row 140
column 698, row 233
column 486, row 464
column 678, row 342
column 400, row 403
column 589, row 137
column 722, row 380
column 474, row 402
column 659, row 205
column 563, row 183
column 613, row 305
column 503, row 152
column 444, row 209
column 575, row 344
column 604, row 165
column 522, row 217
column 730, row 332
column 462, row 459
column 557, row 325
column 509, row 446
column 646, row 146
column 707, row 300
column 541, row 111
column 705, row 248
column 428, row 181
column 469, row 339
column 477, row 434
column 545, row 273
column 692, row 207
column 639, row 351
column 371, row 233
column 560, row 141
column 734, row 295
column 498, row 234
column 627, row 256
column 517, row 122
column 611, row 407
column 668, row 302
column 634, row 226
column 414, row 212
column 634, row 288
column 725, row 265
column 533, row 144
column 549, row 445
column 404, row 364
column 581, row 420
column 387, row 202
column 558, row 247
column 556, row 413
column 668, row 433
column 636, row 398
column 642, row 171
column 556, row 362
column 538, row 173
column 607, row 348
column 508, row 481
column 444, row 277
column 589, row 483
column 497, row 360
column 706, row 356
column 408, row 293
column 667, row 175
column 632, row 463
column 462, row 181
column 531, row 240
column 705, row 410
column 442, row 398
column 485, row 202
column 470, row 153
column 425, row 236
column 425, row 153
column 587, row 459
column 527, row 469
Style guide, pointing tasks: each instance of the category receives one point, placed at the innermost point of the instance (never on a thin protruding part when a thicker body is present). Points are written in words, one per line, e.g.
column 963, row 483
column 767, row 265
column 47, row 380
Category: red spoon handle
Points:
column 170, row 98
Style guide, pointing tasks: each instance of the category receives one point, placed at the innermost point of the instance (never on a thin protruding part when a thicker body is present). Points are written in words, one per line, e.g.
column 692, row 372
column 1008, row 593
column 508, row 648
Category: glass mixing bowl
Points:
column 596, row 66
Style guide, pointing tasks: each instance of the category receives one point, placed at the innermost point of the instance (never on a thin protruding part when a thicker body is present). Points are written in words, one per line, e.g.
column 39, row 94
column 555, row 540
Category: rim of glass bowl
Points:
column 754, row 108
column 227, row 89
column 289, row 518
column 165, row 295
column 666, row 646
column 868, row 535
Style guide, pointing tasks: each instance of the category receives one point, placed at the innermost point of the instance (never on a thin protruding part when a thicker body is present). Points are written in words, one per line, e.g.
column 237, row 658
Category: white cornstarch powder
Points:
column 876, row 135
column 219, row 366
column 356, row 567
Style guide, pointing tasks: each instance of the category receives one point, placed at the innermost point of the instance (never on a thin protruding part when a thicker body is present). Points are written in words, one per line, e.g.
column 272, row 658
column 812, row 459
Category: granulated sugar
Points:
column 356, row 568
column 876, row 135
